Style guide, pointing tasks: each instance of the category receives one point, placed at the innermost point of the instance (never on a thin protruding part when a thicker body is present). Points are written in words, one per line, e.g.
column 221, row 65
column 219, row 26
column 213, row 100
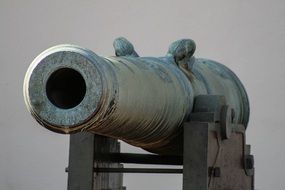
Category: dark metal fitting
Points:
column 215, row 171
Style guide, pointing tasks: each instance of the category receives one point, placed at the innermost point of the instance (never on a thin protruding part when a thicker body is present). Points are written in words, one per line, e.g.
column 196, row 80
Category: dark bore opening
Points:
column 65, row 88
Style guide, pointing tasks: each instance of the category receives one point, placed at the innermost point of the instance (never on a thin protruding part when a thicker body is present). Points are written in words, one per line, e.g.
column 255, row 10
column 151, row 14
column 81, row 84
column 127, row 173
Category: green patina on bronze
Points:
column 141, row 100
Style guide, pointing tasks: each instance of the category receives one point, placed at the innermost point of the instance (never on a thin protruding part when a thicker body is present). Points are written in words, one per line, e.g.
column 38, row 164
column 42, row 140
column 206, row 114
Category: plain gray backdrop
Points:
column 245, row 35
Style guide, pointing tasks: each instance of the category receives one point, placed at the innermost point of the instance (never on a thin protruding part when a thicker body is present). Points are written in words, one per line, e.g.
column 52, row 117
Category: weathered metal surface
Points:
column 141, row 100
column 212, row 162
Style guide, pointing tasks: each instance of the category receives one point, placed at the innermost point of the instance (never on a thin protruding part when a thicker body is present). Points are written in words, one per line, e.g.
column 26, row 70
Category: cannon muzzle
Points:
column 141, row 100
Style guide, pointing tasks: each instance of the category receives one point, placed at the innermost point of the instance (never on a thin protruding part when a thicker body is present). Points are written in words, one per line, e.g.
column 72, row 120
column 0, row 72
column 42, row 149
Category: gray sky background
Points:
column 248, row 36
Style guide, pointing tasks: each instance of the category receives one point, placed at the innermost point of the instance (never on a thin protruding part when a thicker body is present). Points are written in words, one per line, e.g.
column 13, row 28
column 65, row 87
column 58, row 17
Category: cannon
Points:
column 188, row 111
column 140, row 100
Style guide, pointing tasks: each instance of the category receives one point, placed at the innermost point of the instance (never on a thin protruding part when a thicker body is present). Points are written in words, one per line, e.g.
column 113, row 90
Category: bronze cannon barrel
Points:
column 140, row 100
